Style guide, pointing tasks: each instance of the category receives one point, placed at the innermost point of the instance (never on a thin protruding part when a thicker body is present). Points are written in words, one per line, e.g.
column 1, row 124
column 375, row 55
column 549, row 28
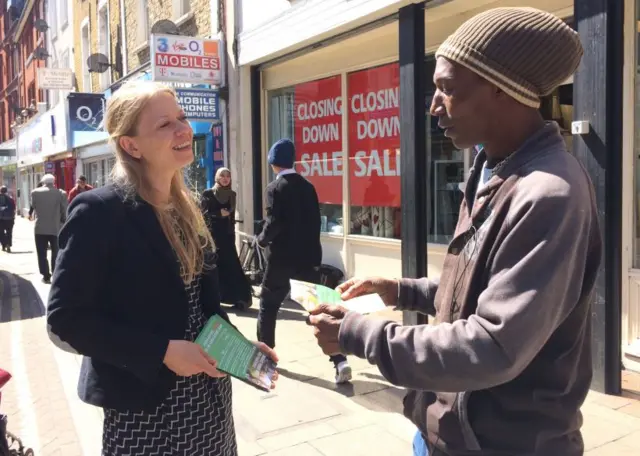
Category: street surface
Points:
column 306, row 416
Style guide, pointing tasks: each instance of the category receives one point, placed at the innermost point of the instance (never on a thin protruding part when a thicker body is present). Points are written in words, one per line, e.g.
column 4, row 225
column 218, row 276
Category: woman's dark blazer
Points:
column 117, row 298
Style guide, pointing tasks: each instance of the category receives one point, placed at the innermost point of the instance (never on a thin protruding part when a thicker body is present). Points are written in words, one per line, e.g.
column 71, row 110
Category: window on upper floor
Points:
column 86, row 51
column 53, row 16
column 15, row 63
column 143, row 21
column 31, row 95
column 64, row 59
column 29, row 44
column 3, row 117
column 180, row 8
column 64, row 13
column 103, row 43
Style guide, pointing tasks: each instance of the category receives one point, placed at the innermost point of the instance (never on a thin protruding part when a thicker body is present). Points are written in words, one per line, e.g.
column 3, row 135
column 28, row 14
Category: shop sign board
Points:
column 186, row 59
column 318, row 136
column 55, row 78
column 86, row 112
column 199, row 104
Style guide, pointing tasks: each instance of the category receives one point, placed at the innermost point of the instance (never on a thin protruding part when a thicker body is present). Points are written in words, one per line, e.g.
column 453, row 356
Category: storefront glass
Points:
column 311, row 114
column 196, row 172
column 98, row 172
column 374, row 151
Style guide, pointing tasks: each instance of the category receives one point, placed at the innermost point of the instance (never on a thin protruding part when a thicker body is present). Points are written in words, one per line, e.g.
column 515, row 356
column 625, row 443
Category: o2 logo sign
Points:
column 194, row 47
column 87, row 116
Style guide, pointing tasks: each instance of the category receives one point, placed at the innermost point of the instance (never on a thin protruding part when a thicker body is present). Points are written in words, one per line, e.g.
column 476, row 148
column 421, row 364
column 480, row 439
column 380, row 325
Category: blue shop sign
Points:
column 86, row 112
column 199, row 104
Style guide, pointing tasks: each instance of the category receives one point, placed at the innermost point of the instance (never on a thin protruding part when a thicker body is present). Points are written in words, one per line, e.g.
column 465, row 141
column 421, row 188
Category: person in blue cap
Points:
column 292, row 234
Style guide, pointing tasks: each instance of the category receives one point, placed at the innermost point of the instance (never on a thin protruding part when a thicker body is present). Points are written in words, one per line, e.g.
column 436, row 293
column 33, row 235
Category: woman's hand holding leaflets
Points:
column 270, row 352
column 386, row 288
column 186, row 358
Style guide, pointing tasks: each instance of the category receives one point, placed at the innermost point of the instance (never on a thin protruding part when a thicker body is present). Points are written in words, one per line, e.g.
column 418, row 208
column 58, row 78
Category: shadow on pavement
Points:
column 19, row 299
column 20, row 252
column 375, row 396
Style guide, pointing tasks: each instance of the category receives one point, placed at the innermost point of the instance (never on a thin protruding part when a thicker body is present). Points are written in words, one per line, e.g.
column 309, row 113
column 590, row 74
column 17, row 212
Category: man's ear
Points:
column 128, row 144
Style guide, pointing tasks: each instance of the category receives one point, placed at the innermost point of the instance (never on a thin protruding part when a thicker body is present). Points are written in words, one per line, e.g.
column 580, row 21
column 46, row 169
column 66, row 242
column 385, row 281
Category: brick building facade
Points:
column 19, row 93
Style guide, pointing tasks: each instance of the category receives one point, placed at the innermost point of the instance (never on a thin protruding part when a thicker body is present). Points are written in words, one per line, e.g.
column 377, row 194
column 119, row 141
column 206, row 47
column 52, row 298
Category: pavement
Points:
column 307, row 415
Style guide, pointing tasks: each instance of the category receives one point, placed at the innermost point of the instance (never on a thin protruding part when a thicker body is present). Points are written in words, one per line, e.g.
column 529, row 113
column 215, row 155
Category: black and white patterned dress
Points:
column 195, row 420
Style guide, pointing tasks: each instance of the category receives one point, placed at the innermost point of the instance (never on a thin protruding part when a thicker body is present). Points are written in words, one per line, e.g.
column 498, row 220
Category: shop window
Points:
column 196, row 172
column 93, row 173
column 374, row 151
column 558, row 107
column 311, row 115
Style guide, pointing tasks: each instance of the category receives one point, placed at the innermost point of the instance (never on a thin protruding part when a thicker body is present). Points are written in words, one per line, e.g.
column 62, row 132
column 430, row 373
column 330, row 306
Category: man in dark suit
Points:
column 292, row 233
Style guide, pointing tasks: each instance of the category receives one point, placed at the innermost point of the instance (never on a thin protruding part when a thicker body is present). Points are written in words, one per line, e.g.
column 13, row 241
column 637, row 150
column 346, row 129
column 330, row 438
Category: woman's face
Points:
column 164, row 137
column 224, row 179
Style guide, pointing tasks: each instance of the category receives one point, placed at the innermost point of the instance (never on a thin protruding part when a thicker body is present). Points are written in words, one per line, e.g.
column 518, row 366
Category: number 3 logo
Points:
column 163, row 45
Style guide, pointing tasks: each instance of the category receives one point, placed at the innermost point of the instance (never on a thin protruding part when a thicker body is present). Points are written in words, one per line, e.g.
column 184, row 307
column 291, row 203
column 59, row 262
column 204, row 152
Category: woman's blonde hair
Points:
column 181, row 220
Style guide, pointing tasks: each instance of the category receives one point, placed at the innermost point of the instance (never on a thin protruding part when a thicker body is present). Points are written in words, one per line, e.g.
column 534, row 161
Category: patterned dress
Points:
column 195, row 420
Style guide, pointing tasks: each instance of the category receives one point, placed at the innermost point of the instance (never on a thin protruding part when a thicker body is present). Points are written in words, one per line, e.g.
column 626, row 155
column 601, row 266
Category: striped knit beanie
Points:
column 524, row 51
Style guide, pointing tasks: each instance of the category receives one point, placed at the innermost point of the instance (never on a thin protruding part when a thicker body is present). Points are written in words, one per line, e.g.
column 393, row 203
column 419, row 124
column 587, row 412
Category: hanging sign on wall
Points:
column 186, row 59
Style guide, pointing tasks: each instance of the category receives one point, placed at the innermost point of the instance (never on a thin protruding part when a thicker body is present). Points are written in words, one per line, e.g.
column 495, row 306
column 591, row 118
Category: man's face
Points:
column 81, row 183
column 464, row 103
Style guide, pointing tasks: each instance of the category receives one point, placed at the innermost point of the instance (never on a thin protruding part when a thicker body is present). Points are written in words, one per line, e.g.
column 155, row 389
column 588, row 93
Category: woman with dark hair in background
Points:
column 218, row 205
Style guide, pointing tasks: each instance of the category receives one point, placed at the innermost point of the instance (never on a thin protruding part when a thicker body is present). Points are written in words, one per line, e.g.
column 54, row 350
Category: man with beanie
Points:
column 292, row 234
column 507, row 366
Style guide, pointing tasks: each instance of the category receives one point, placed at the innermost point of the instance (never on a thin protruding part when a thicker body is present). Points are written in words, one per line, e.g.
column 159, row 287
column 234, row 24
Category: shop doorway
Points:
column 196, row 173
column 65, row 173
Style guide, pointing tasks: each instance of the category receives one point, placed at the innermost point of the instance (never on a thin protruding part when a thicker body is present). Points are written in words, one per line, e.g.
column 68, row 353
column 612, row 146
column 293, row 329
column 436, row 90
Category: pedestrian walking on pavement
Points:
column 218, row 205
column 50, row 206
column 508, row 365
column 7, row 219
column 31, row 208
column 292, row 234
column 135, row 285
column 81, row 186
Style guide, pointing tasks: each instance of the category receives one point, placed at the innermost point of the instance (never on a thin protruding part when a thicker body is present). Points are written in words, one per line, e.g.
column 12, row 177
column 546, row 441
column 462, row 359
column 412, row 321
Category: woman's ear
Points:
column 128, row 144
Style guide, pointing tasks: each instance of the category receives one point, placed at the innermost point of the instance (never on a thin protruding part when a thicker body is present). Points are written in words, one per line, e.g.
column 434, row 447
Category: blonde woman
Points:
column 136, row 281
column 218, row 205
